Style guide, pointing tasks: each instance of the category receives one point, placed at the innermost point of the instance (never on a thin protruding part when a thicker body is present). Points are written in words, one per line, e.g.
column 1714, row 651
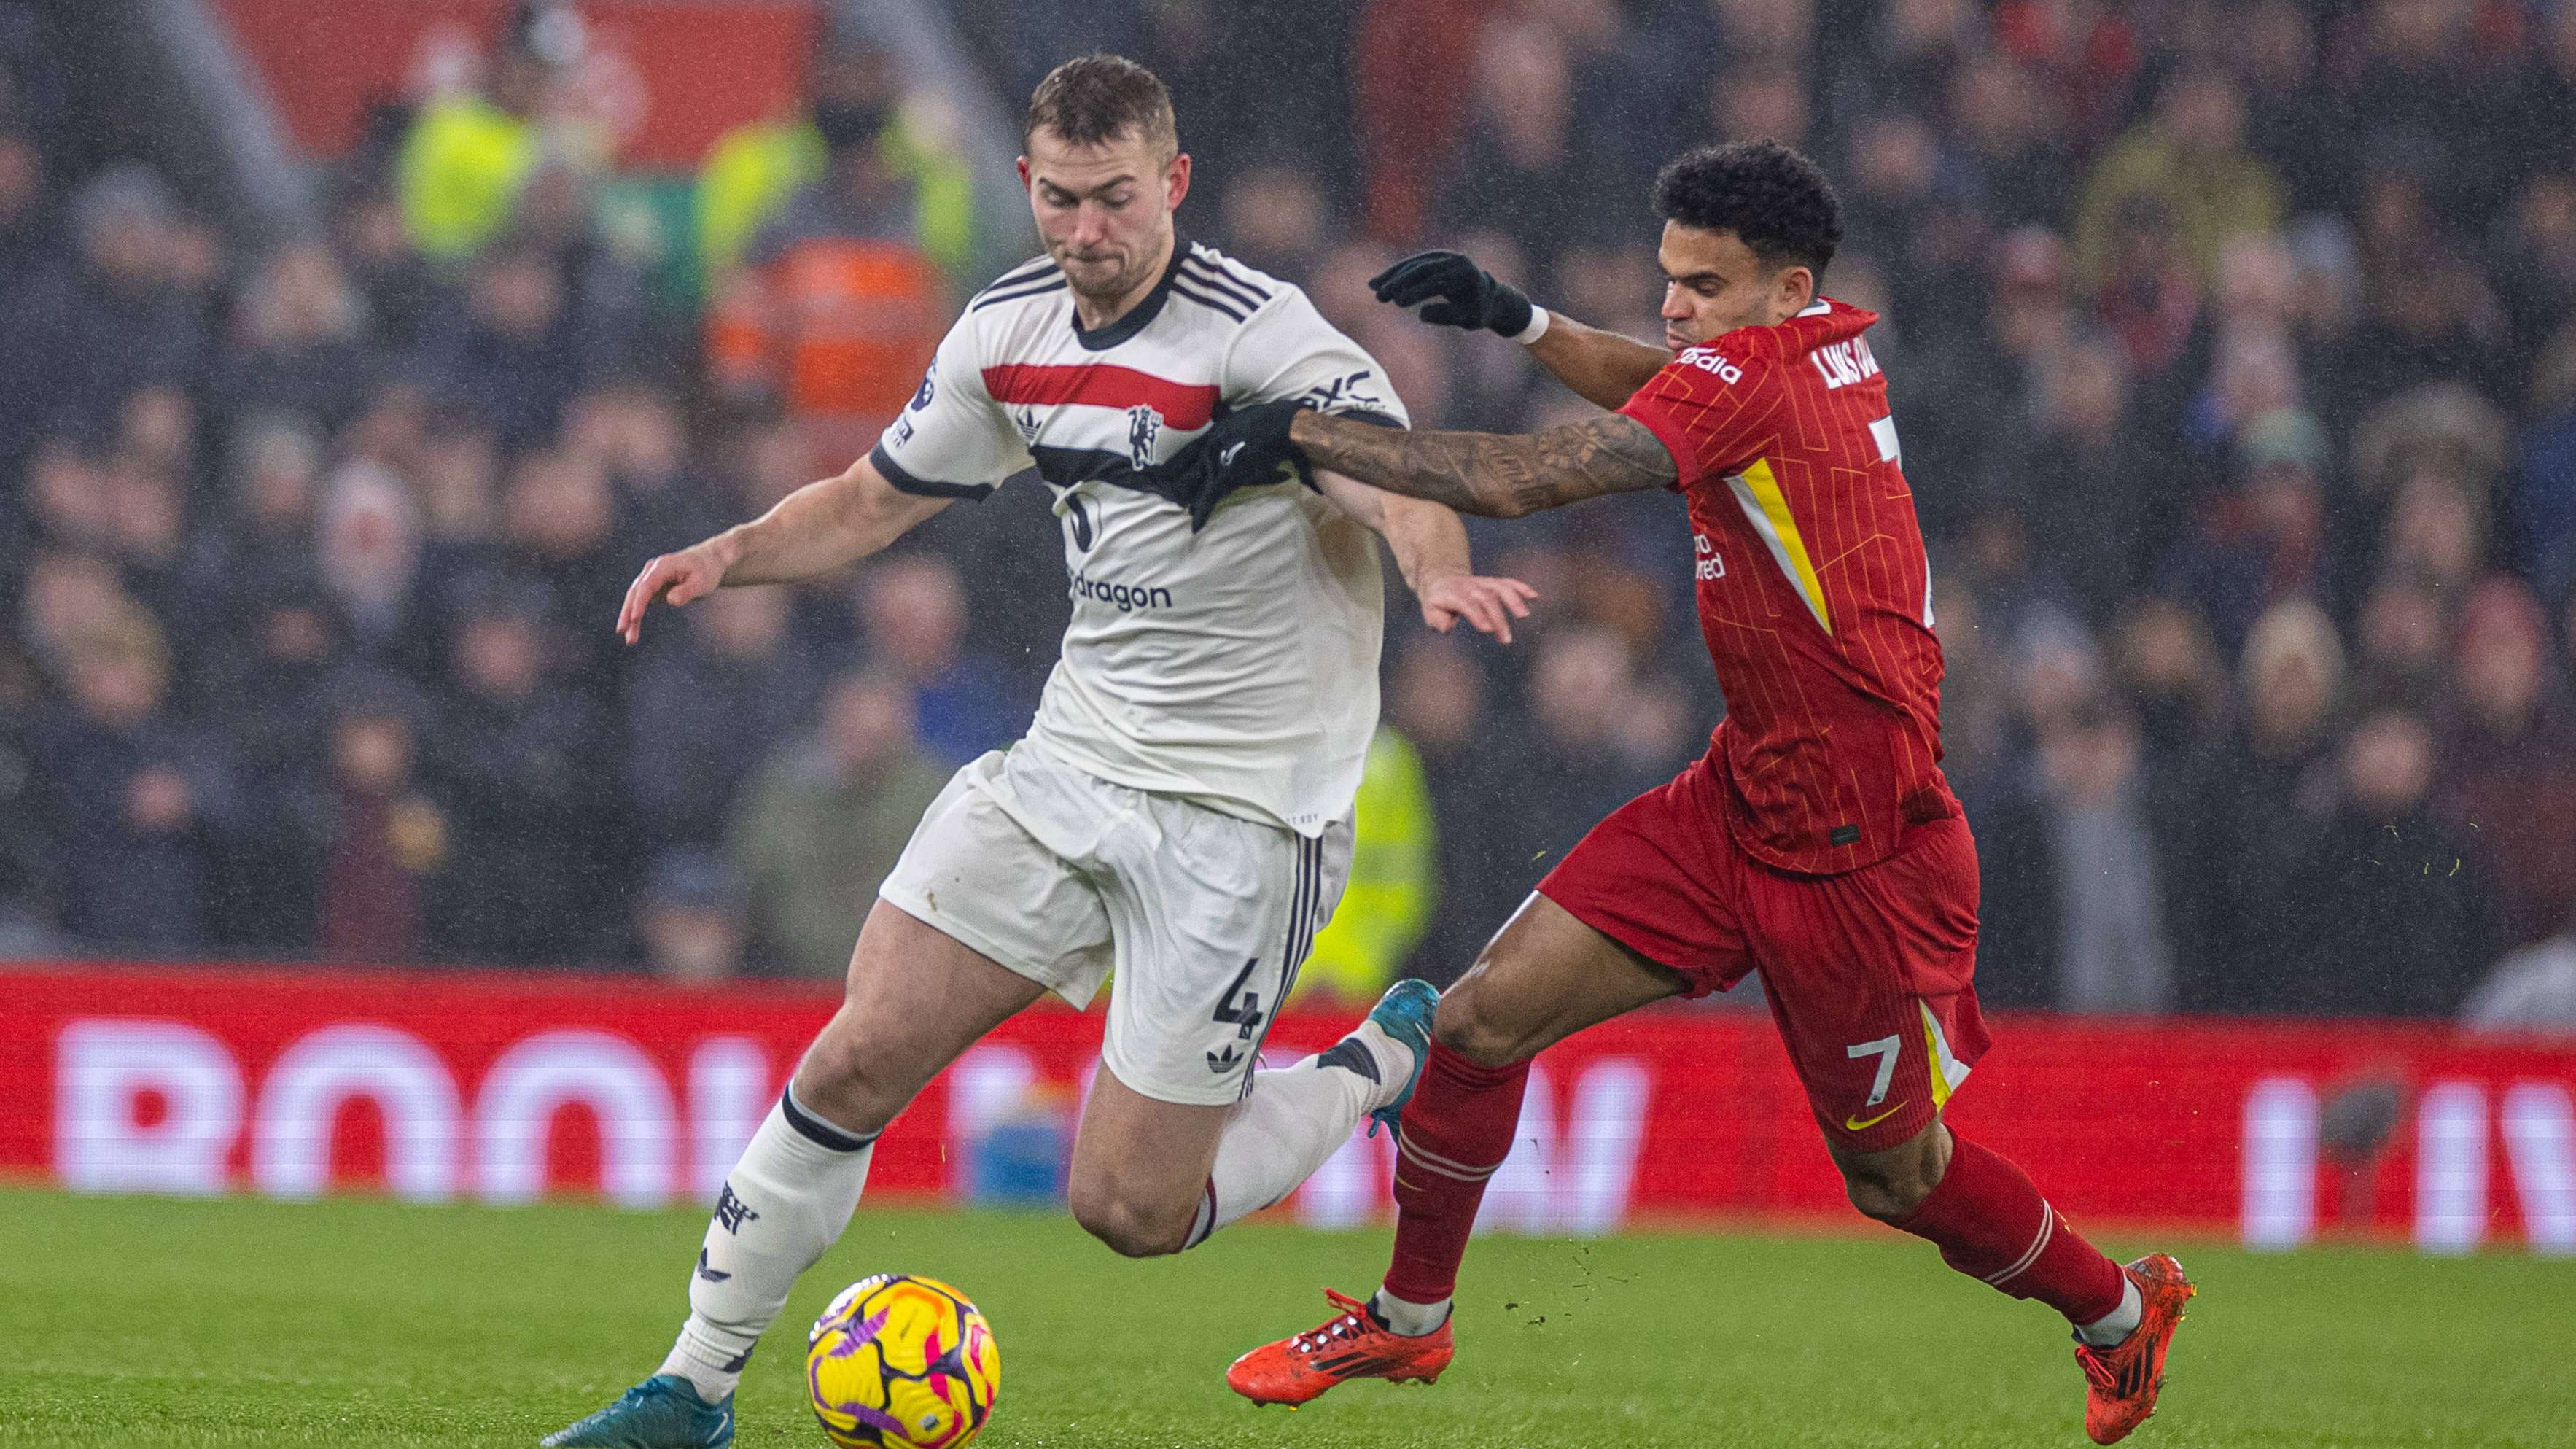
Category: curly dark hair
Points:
column 1099, row 97
column 1775, row 200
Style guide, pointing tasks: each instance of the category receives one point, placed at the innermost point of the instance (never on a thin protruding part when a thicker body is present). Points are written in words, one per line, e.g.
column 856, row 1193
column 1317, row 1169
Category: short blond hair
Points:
column 1096, row 98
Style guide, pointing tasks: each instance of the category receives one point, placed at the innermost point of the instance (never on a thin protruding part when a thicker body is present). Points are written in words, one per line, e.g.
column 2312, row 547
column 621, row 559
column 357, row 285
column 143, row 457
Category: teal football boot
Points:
column 1405, row 1014
column 663, row 1412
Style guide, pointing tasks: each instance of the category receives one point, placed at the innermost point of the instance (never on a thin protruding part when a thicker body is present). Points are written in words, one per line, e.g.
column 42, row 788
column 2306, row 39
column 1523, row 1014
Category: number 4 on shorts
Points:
column 1246, row 1016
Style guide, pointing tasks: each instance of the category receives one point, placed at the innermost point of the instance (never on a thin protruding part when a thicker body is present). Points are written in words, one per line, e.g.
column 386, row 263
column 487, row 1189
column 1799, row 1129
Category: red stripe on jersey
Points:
column 1101, row 385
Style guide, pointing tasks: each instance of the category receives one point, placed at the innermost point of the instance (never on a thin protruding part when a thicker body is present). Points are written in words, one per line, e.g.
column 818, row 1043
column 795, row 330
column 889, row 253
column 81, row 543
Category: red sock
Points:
column 1457, row 1129
column 1993, row 1225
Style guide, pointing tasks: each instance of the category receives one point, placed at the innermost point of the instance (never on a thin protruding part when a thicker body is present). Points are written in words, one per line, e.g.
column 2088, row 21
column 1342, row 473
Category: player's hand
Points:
column 1244, row 449
column 1490, row 605
column 674, row 578
column 1467, row 295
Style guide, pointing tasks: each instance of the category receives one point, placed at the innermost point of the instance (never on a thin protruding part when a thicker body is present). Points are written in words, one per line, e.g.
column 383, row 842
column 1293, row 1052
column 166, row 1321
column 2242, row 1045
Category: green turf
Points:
column 147, row 1322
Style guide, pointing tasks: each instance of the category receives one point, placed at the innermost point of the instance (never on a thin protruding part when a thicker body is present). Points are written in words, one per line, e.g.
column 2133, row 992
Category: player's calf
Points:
column 1465, row 1026
column 1153, row 1177
column 1140, row 1166
column 1991, row 1223
column 850, row 1078
column 784, row 1204
column 913, row 999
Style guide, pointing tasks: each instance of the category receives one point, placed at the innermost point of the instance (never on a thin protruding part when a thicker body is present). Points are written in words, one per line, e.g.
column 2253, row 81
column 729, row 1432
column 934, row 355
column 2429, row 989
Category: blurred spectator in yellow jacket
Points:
column 469, row 153
column 837, row 305
column 1393, row 887
column 754, row 170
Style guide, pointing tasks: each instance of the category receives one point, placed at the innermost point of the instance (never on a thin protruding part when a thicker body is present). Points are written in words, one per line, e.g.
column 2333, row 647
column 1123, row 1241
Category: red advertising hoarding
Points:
column 664, row 77
column 503, row 1088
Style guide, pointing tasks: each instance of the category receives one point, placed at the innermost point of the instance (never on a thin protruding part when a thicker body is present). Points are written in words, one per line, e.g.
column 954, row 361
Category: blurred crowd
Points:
column 2232, row 347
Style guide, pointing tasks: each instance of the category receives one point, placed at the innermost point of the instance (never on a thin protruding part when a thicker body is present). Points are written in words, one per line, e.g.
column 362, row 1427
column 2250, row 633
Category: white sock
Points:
column 1296, row 1118
column 783, row 1206
column 2120, row 1322
column 1408, row 1320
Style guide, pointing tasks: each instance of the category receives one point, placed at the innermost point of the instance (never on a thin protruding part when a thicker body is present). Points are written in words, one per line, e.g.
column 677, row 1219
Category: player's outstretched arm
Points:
column 1602, row 368
column 815, row 529
column 1494, row 475
column 1430, row 548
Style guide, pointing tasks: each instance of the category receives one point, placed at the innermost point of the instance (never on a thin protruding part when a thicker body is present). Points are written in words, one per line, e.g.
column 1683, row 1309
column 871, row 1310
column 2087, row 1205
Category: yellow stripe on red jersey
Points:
column 1814, row 587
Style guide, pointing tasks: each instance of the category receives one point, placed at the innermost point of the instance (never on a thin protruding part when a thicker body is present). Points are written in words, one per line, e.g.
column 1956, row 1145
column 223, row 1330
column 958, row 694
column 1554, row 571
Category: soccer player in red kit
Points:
column 1817, row 840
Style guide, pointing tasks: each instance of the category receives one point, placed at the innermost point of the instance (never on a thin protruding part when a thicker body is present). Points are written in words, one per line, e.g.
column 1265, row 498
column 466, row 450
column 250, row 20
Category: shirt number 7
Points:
column 1885, row 1049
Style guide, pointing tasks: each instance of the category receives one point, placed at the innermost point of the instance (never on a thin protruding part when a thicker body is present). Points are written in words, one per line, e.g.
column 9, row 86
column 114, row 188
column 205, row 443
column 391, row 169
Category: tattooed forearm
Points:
column 1493, row 474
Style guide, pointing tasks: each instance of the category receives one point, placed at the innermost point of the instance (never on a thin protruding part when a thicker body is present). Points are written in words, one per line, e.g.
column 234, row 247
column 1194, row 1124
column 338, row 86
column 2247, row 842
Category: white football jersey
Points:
column 1237, row 665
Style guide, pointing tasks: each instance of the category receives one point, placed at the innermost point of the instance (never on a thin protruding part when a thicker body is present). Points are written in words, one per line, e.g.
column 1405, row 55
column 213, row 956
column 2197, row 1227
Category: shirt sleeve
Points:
column 1709, row 410
column 952, row 440
column 1288, row 350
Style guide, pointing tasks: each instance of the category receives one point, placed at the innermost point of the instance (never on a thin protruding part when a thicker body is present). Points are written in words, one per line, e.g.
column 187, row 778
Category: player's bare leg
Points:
column 1993, row 1225
column 1887, row 1185
column 1152, row 1177
column 915, row 998
column 1140, row 1167
column 1544, row 977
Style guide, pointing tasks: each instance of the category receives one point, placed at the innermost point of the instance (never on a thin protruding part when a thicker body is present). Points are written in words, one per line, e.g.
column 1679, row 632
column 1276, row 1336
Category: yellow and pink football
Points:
column 902, row 1362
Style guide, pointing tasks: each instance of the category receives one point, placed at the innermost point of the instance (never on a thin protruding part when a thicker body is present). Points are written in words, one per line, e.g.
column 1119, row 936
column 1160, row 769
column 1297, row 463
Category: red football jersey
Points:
column 1815, row 594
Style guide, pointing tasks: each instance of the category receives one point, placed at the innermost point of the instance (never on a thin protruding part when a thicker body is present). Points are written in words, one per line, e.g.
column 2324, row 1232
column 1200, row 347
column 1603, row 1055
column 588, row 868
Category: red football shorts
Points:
column 1868, row 973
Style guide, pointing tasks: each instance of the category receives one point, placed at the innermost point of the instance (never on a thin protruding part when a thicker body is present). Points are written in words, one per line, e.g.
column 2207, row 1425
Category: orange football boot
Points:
column 2121, row 1381
column 1348, row 1345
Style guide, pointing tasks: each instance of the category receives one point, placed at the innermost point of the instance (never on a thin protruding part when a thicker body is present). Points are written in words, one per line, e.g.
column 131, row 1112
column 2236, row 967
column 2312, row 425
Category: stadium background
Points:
column 358, row 355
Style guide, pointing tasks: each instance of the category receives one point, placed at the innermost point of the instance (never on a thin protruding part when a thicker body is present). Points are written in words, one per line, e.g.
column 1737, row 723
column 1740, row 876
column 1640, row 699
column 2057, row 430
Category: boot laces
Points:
column 1350, row 1323
column 2098, row 1370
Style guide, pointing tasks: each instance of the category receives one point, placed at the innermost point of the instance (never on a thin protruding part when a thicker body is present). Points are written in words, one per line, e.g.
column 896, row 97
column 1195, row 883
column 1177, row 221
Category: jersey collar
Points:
column 1140, row 316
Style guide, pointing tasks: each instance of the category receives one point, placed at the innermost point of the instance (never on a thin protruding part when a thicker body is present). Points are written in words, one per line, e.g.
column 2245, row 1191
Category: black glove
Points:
column 1469, row 295
column 1240, row 450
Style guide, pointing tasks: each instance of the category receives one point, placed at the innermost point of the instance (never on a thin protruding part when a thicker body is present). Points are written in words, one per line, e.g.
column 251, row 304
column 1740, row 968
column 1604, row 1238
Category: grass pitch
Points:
column 127, row 1322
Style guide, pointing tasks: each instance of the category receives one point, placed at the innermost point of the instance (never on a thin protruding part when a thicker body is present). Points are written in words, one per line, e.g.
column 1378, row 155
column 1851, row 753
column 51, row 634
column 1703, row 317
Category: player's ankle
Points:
column 1407, row 1320
column 708, row 1367
column 1394, row 1061
column 2113, row 1328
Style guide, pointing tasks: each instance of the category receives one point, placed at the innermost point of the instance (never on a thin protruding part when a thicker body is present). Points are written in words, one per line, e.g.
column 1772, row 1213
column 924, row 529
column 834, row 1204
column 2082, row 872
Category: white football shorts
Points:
column 1062, row 876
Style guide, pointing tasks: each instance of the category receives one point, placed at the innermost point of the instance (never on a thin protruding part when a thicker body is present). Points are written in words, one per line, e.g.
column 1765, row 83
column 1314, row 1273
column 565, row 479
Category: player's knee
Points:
column 1131, row 1226
column 1882, row 1197
column 1892, row 1184
column 1463, row 1026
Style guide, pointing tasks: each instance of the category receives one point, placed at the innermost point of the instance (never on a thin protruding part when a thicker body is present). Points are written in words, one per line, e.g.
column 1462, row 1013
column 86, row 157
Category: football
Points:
column 904, row 1361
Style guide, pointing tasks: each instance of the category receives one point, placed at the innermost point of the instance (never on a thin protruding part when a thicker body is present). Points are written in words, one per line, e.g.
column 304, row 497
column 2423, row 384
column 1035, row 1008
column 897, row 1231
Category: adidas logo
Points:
column 1222, row 1062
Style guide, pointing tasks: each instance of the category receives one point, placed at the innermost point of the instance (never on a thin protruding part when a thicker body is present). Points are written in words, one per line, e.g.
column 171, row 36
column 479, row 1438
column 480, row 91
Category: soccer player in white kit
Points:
column 1180, row 810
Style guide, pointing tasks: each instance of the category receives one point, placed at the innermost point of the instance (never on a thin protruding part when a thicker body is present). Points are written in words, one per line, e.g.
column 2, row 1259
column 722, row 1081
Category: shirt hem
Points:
column 1071, row 755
